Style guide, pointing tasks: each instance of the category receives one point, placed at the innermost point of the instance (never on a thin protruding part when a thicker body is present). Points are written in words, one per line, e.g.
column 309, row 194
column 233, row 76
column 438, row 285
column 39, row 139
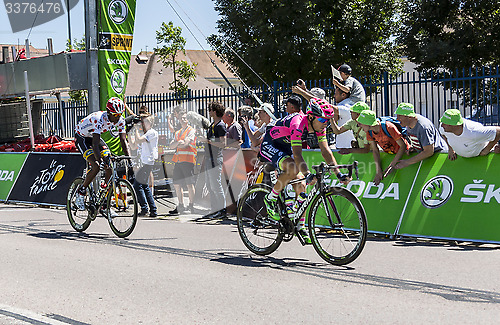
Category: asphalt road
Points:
column 191, row 270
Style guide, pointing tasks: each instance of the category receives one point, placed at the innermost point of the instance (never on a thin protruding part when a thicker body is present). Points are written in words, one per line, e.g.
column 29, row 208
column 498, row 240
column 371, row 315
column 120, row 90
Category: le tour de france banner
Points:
column 436, row 198
column 46, row 177
column 116, row 29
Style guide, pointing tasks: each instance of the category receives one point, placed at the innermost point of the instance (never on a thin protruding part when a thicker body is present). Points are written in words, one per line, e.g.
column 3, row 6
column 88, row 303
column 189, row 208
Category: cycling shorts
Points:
column 274, row 152
column 84, row 145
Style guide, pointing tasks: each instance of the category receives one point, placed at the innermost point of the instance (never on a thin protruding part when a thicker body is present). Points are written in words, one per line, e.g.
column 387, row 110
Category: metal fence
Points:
column 474, row 91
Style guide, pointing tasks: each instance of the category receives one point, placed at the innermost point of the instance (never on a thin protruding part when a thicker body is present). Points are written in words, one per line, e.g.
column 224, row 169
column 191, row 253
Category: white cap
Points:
column 268, row 108
column 318, row 92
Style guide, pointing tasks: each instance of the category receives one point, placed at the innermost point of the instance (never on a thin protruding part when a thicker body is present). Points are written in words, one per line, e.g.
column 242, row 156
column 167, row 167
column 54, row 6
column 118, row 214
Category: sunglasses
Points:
column 322, row 119
column 116, row 114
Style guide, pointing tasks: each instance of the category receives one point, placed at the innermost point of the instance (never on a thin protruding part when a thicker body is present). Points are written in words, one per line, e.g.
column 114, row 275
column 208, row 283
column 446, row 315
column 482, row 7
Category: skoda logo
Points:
column 118, row 11
column 436, row 191
column 118, row 81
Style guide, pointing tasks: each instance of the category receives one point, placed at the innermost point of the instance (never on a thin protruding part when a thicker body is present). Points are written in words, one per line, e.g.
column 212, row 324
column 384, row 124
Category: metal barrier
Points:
column 474, row 91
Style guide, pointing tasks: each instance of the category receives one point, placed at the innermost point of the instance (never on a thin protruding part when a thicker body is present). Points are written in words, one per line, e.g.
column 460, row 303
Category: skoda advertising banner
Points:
column 384, row 202
column 436, row 198
column 10, row 166
column 116, row 29
column 455, row 199
column 46, row 177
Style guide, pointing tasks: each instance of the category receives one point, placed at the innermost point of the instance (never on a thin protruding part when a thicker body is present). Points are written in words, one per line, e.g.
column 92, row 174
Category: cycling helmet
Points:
column 319, row 109
column 115, row 105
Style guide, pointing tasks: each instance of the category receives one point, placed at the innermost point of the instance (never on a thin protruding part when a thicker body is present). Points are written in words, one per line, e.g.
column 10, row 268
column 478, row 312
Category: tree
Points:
column 451, row 34
column 79, row 45
column 284, row 40
column 172, row 43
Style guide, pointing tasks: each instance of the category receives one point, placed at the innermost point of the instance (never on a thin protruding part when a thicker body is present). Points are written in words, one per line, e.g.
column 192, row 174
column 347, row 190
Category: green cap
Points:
column 359, row 107
column 452, row 117
column 405, row 109
column 367, row 117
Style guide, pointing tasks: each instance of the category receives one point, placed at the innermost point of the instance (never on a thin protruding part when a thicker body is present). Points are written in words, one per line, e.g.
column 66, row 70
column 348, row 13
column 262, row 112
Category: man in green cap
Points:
column 423, row 135
column 392, row 143
column 359, row 144
column 467, row 138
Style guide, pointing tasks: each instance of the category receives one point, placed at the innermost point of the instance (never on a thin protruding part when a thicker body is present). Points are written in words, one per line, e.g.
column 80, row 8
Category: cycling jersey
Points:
column 292, row 129
column 99, row 123
column 288, row 131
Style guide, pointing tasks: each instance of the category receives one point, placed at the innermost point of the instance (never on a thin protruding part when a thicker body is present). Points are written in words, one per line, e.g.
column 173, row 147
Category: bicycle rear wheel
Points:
column 337, row 226
column 78, row 219
column 260, row 234
column 122, row 208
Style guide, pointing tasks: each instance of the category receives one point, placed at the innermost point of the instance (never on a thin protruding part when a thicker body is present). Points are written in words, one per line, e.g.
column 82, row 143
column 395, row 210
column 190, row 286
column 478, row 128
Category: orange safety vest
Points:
column 187, row 154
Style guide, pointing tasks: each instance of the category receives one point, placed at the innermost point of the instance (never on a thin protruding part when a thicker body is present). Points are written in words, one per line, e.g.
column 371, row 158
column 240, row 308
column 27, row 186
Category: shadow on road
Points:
column 298, row 266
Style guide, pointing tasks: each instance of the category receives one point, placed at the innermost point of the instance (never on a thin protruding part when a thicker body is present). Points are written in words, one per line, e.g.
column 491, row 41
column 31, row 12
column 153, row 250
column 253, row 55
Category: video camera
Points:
column 131, row 120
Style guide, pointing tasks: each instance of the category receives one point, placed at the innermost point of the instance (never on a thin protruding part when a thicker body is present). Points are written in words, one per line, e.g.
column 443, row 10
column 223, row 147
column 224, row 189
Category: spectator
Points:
column 394, row 143
column 360, row 143
column 148, row 148
column 246, row 112
column 341, row 112
column 467, row 138
column 214, row 143
column 234, row 130
column 423, row 135
column 293, row 104
column 173, row 121
column 185, row 158
column 266, row 115
column 350, row 85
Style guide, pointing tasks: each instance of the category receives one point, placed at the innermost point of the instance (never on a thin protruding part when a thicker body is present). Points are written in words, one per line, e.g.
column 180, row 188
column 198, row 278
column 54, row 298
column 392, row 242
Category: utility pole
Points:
column 91, row 55
column 69, row 25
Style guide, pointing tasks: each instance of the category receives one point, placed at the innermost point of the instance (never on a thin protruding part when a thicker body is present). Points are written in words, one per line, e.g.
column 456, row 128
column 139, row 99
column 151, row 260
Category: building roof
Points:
column 151, row 77
column 34, row 52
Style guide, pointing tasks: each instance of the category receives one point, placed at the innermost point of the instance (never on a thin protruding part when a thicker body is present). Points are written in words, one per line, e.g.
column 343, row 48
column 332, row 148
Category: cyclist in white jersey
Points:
column 92, row 147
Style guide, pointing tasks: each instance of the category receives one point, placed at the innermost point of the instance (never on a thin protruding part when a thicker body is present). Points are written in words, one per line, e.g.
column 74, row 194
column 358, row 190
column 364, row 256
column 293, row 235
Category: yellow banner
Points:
column 115, row 42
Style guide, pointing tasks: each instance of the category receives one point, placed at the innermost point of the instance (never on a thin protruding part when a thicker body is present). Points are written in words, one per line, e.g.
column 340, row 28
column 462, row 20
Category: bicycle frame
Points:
column 319, row 188
column 97, row 194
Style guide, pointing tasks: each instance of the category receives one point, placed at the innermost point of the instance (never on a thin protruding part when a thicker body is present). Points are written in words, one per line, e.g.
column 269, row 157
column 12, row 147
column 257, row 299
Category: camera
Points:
column 131, row 120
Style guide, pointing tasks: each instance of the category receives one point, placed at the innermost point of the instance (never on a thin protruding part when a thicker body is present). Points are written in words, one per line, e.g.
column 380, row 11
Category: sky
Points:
column 149, row 16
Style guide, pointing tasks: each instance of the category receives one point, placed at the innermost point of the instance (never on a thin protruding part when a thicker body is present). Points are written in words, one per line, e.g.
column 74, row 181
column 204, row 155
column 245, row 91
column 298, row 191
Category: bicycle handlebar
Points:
column 324, row 166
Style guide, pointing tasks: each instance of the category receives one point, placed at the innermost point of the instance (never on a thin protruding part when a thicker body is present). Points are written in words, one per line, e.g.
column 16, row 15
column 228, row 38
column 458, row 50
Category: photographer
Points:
column 245, row 113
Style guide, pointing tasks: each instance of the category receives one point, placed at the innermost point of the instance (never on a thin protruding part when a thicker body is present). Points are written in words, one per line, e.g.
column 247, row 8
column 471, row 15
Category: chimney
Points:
column 5, row 54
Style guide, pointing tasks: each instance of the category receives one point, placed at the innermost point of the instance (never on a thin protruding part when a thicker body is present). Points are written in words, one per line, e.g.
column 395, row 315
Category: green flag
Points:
column 116, row 29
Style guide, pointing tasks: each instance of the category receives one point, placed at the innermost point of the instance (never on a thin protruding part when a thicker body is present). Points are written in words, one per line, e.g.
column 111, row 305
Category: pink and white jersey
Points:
column 293, row 129
column 99, row 123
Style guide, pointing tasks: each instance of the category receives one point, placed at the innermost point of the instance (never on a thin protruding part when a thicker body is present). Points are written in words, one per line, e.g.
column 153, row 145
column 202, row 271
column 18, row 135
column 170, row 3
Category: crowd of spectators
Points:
column 354, row 128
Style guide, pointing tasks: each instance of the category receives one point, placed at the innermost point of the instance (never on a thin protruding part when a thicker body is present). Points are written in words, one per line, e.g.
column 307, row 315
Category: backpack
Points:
column 383, row 120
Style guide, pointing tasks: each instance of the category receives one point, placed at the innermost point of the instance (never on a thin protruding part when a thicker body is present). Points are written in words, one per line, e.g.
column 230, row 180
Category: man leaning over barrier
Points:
column 467, row 138
column 391, row 143
column 423, row 135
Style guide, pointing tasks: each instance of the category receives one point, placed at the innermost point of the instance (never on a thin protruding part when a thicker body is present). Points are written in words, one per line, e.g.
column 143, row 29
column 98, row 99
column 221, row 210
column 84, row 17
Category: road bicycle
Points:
column 115, row 200
column 335, row 217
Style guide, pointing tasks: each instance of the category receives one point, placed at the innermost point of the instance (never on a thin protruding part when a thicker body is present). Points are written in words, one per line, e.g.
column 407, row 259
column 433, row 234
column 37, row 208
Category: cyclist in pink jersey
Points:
column 282, row 147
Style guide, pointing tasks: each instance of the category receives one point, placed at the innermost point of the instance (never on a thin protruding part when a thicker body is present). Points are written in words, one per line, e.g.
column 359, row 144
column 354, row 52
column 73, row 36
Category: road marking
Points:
column 30, row 317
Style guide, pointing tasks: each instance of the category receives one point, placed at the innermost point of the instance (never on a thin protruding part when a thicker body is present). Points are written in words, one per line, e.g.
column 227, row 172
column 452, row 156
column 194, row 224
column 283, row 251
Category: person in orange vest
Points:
column 185, row 158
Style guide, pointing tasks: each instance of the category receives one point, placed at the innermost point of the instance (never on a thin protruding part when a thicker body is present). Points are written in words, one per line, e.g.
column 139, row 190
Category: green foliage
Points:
column 286, row 40
column 78, row 45
column 451, row 34
column 172, row 42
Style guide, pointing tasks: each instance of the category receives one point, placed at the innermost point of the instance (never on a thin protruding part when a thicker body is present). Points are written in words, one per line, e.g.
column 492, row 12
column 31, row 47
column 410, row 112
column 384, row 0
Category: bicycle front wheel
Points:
column 78, row 219
column 122, row 208
column 337, row 226
column 260, row 234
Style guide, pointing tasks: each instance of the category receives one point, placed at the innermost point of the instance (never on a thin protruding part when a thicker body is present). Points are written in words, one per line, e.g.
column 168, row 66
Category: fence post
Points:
column 275, row 95
column 386, row 94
